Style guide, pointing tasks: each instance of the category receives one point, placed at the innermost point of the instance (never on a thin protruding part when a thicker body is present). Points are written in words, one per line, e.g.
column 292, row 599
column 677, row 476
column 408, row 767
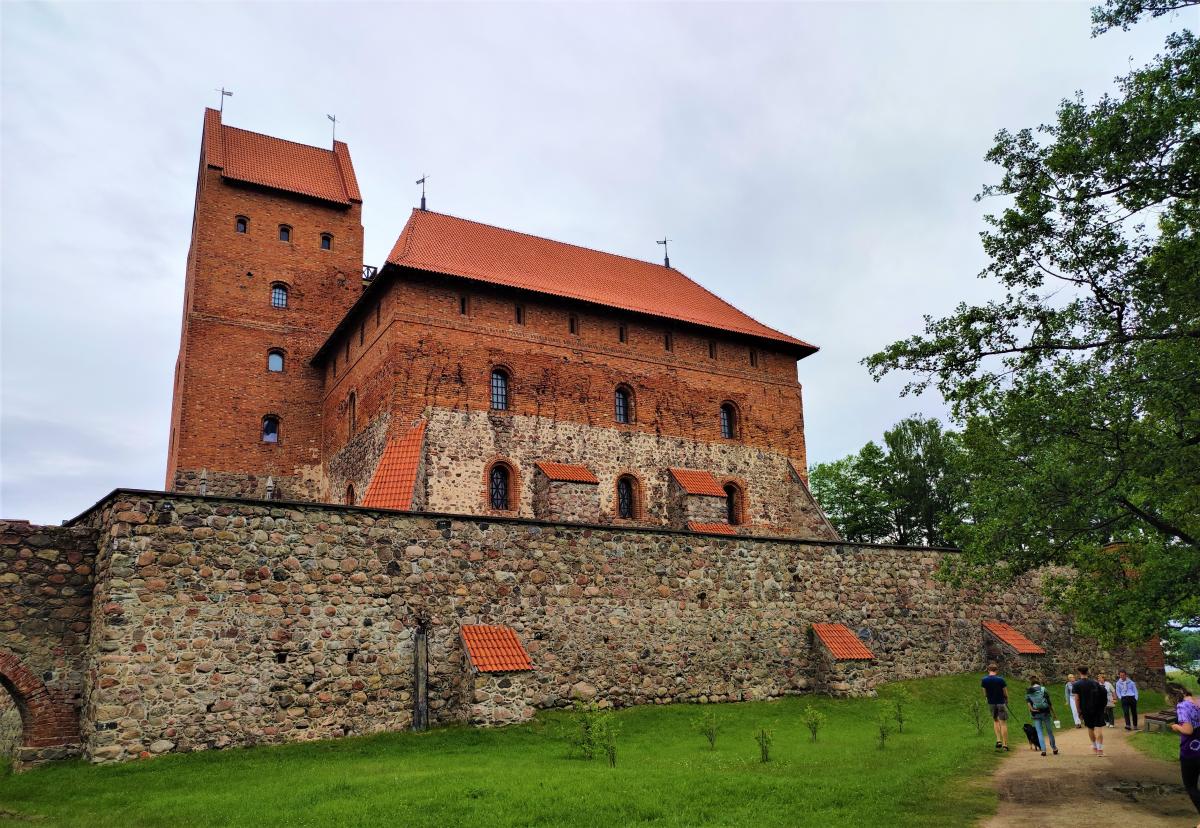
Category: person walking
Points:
column 1042, row 712
column 1110, row 700
column 1127, row 692
column 995, row 688
column 1089, row 698
column 1071, row 699
column 1187, row 725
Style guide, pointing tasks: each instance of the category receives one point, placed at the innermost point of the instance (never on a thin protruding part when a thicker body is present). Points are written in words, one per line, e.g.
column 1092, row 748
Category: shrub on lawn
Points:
column 593, row 730
column 813, row 719
column 706, row 724
column 764, row 744
column 899, row 701
column 975, row 713
column 884, row 725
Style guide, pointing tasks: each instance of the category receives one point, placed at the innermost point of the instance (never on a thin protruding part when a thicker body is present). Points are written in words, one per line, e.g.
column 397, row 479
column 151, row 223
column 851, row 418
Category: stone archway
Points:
column 49, row 724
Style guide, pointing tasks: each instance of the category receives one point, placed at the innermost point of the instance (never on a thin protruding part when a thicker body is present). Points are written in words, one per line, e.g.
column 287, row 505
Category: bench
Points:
column 1159, row 721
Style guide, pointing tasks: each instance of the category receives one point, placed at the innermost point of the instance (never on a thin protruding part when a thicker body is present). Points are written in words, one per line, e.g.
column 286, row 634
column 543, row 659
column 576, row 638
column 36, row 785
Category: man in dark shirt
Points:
column 996, row 691
column 1090, row 698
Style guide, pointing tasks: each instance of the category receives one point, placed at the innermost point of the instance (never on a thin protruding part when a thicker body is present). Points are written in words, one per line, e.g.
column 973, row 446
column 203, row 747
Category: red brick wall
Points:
column 222, row 386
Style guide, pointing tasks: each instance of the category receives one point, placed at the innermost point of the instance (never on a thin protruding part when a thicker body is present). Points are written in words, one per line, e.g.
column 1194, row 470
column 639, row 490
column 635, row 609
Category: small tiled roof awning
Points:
column 566, row 472
column 711, row 528
column 395, row 477
column 1011, row 637
column 698, row 482
column 842, row 643
column 494, row 649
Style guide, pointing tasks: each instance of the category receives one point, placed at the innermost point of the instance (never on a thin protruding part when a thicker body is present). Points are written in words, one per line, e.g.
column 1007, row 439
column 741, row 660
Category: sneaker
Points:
column 1005, row 747
column 998, row 745
column 1056, row 751
column 1044, row 752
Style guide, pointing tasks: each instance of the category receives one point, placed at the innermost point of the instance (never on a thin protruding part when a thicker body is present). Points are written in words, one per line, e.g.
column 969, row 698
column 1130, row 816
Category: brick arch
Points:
column 46, row 720
column 743, row 498
column 639, row 497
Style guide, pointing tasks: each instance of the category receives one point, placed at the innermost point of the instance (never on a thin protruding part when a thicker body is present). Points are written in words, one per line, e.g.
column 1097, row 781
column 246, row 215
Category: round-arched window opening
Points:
column 285, row 233
column 623, row 404
column 626, row 497
column 499, row 487
column 275, row 361
column 729, row 421
column 279, row 295
column 326, row 241
column 241, row 224
column 350, row 494
column 733, row 504
column 499, row 389
column 270, row 429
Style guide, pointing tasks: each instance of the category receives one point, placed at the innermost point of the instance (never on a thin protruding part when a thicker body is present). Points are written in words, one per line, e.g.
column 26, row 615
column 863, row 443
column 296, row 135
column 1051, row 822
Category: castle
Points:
column 496, row 474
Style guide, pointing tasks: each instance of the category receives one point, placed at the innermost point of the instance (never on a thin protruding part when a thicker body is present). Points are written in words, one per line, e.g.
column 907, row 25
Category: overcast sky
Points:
column 814, row 164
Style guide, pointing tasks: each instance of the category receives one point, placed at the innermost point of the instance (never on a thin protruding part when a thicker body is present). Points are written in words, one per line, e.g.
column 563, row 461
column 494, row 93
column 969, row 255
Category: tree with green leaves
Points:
column 1079, row 384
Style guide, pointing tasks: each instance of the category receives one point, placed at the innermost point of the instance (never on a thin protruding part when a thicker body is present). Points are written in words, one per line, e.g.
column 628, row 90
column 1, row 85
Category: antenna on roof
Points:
column 666, row 256
column 225, row 93
column 334, row 119
column 421, row 181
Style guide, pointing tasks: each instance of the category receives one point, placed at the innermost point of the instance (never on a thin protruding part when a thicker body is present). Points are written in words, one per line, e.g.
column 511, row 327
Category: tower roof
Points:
column 259, row 159
column 457, row 247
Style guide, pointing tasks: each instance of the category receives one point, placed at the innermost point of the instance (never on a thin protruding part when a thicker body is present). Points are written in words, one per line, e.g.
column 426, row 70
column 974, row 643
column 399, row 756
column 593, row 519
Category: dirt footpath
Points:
column 1123, row 789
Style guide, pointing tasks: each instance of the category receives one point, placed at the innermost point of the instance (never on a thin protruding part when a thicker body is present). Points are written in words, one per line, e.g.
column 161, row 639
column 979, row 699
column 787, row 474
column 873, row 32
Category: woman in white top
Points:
column 1071, row 700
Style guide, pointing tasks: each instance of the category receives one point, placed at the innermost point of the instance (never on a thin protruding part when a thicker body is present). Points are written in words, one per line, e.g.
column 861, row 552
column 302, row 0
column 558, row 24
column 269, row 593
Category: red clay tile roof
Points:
column 711, row 528
column 395, row 477
column 1012, row 638
column 458, row 247
column 494, row 649
column 567, row 473
column 842, row 643
column 241, row 155
column 697, row 482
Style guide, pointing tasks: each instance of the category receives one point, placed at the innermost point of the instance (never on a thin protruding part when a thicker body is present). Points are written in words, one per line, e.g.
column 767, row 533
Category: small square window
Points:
column 326, row 241
column 285, row 233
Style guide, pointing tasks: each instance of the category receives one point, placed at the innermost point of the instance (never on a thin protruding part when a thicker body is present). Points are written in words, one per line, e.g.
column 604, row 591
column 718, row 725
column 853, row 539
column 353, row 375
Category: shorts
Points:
column 1094, row 718
column 999, row 712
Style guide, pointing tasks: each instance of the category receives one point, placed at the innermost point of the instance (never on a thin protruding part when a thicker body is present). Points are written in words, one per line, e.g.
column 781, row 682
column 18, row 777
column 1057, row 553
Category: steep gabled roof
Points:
column 453, row 246
column 259, row 159
column 395, row 477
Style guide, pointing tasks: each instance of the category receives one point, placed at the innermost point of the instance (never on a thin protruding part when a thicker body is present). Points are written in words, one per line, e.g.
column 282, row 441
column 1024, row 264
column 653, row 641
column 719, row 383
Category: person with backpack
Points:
column 1089, row 698
column 1042, row 712
column 1187, row 725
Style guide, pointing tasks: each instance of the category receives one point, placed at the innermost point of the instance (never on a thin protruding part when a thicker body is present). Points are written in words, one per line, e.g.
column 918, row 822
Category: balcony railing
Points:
column 369, row 272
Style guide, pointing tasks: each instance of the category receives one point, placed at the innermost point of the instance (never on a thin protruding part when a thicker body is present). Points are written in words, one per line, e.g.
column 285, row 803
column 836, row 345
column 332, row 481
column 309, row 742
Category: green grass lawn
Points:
column 934, row 774
column 1161, row 745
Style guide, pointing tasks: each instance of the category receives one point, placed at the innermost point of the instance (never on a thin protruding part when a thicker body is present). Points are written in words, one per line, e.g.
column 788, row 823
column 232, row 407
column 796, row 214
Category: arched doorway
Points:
column 47, row 721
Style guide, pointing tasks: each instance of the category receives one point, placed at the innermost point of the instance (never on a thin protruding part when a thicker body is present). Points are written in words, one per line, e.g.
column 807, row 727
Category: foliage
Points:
column 898, row 701
column 592, row 730
column 883, row 728
column 975, row 714
column 1078, row 384
column 814, row 720
column 1182, row 649
column 763, row 737
column 706, row 725
column 1124, row 13
column 908, row 491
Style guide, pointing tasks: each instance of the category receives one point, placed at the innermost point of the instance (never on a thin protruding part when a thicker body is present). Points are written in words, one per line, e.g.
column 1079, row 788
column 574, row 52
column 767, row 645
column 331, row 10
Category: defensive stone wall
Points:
column 228, row 622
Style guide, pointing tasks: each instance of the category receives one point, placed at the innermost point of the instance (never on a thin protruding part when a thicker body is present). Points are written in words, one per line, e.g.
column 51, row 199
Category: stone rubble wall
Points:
column 228, row 623
column 565, row 501
column 498, row 699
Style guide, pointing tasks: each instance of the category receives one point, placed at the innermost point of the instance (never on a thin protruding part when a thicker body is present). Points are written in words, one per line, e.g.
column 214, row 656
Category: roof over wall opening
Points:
column 453, row 246
column 494, row 648
column 698, row 482
column 566, row 472
column 1012, row 638
column 711, row 528
column 395, row 479
column 253, row 158
column 842, row 644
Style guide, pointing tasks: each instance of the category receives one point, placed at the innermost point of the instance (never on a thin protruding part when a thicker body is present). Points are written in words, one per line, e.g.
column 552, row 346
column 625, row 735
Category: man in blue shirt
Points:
column 1127, row 692
column 996, row 691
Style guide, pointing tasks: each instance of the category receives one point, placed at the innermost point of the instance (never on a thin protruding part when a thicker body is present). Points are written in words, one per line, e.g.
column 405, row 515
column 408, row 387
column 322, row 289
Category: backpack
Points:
column 1039, row 700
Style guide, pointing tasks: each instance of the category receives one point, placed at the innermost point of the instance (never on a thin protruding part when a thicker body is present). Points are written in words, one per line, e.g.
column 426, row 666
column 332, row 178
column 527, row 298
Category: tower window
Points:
column 729, row 421
column 753, row 358
column 733, row 504
column 241, row 224
column 275, row 361
column 326, row 241
column 499, row 480
column 519, row 314
column 350, row 494
column 573, row 324
column 464, row 305
column 499, row 390
column 712, row 349
column 622, row 333
column 352, row 413
column 623, row 404
column 668, row 341
column 626, row 497
column 285, row 233
column 270, row 429
column 279, row 295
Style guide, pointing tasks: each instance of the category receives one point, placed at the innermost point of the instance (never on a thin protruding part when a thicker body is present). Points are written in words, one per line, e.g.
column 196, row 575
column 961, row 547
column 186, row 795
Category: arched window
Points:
column 352, row 413
column 627, row 497
column 279, row 297
column 499, row 484
column 729, row 421
column 285, row 233
column 275, row 361
column 623, row 404
column 573, row 324
column 326, row 241
column 241, row 224
column 733, row 504
column 350, row 494
column 499, row 389
column 270, row 429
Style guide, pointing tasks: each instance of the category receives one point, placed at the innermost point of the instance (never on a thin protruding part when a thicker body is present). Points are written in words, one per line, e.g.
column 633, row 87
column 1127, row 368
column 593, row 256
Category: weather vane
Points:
column 225, row 93
column 421, row 181
column 666, row 255
column 334, row 119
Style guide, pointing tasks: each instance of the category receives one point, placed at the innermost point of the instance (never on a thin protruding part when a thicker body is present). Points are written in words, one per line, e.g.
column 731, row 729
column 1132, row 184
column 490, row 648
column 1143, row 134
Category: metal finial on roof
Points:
column 421, row 181
column 666, row 255
column 334, row 119
column 225, row 93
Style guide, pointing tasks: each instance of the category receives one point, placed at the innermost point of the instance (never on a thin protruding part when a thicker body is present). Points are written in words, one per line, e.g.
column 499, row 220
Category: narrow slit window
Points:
column 753, row 358
column 362, row 331
column 519, row 314
column 352, row 413
column 733, row 504
column 622, row 333
column 464, row 306
column 350, row 494
column 712, row 349
column 573, row 324
column 668, row 341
